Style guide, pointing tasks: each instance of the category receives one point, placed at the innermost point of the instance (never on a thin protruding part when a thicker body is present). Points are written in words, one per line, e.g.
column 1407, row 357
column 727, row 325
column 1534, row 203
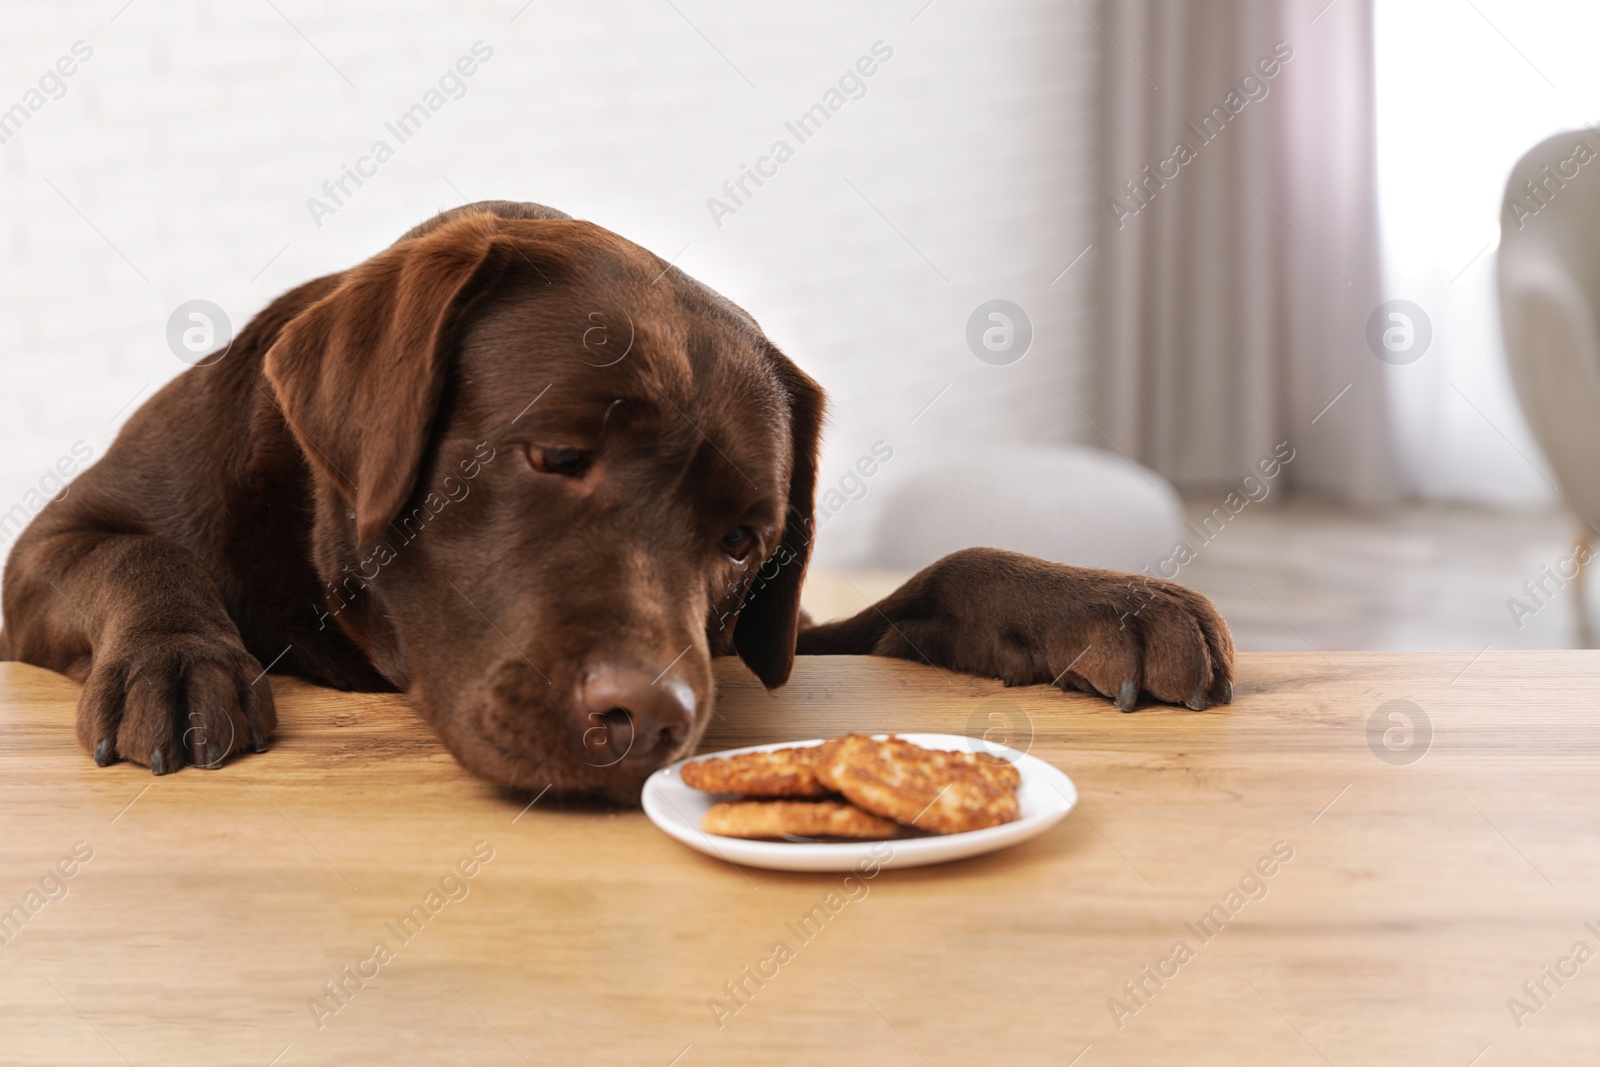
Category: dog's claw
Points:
column 1197, row 701
column 1007, row 680
column 214, row 755
column 157, row 764
column 258, row 740
column 1225, row 694
column 1128, row 695
column 103, row 754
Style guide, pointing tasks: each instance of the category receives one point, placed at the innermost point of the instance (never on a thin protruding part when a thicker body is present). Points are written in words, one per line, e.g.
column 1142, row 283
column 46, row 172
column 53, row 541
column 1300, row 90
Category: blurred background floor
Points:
column 1306, row 575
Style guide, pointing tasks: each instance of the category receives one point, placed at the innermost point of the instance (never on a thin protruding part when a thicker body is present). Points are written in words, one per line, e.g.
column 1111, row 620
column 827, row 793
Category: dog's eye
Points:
column 567, row 462
column 738, row 541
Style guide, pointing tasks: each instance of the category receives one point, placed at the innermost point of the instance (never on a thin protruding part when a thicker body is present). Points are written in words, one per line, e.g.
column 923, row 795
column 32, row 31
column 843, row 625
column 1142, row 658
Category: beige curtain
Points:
column 1237, row 254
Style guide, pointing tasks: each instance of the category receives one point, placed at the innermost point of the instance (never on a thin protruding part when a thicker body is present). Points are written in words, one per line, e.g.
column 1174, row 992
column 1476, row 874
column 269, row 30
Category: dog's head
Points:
column 555, row 476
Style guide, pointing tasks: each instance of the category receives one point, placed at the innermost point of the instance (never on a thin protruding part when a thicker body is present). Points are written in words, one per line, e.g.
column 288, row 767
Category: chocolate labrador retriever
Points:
column 527, row 473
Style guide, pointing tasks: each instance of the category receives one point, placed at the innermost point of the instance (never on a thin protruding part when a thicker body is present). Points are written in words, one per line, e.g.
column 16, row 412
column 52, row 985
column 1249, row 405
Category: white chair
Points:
column 1064, row 503
column 1549, row 279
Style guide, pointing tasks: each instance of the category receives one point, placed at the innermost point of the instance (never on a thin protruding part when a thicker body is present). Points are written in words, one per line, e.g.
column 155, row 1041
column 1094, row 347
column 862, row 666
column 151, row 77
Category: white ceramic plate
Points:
column 1045, row 797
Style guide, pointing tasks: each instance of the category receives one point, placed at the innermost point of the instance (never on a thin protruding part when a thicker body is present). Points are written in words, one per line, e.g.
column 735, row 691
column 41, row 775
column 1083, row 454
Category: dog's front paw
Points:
column 170, row 699
column 1028, row 621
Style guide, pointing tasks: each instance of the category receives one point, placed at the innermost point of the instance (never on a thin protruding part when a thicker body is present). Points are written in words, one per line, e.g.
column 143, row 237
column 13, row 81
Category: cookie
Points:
column 944, row 792
column 799, row 818
column 822, row 759
column 783, row 772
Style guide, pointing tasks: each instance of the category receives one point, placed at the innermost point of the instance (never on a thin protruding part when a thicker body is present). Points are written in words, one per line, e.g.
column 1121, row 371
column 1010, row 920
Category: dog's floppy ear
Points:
column 769, row 621
column 359, row 374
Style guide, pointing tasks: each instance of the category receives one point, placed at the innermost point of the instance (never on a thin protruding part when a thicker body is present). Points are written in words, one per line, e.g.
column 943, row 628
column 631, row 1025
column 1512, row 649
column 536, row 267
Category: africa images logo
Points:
column 852, row 85
column 451, row 85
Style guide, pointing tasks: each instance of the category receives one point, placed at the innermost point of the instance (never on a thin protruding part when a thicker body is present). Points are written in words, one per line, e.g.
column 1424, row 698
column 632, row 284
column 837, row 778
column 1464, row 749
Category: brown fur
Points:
column 348, row 496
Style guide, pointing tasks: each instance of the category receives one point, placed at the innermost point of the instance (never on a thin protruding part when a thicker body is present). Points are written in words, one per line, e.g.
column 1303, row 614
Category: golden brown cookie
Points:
column 821, row 758
column 800, row 818
column 945, row 792
column 783, row 772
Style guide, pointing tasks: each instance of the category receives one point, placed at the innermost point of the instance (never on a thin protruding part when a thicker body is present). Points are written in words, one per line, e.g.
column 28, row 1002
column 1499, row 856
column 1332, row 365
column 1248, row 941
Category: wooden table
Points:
column 1419, row 898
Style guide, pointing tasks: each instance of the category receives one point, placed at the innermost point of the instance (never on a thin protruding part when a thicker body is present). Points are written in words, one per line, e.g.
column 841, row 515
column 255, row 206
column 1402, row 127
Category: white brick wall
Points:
column 193, row 137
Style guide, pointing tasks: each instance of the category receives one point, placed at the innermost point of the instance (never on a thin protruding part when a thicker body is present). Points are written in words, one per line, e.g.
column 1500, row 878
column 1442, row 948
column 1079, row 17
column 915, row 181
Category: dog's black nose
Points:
column 627, row 712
